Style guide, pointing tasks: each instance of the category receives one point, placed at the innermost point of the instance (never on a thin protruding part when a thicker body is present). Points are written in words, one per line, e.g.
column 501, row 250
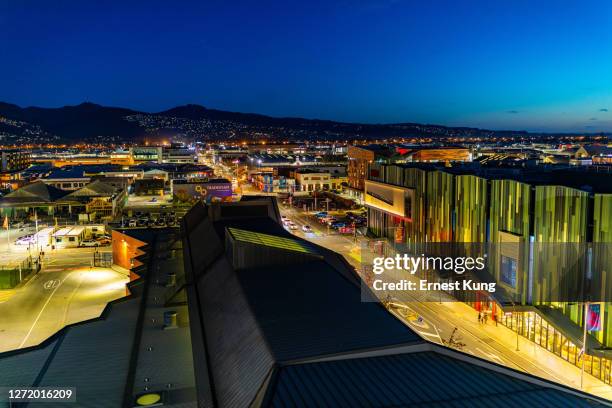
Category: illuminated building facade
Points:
column 551, row 231
column 145, row 154
column 14, row 160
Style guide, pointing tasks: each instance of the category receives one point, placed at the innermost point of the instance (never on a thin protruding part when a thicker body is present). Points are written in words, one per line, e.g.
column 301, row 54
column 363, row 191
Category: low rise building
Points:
column 149, row 186
column 97, row 200
column 68, row 237
column 309, row 180
column 33, row 198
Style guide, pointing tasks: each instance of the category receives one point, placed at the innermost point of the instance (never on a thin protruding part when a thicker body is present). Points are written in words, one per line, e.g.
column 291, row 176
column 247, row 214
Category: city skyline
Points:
column 520, row 67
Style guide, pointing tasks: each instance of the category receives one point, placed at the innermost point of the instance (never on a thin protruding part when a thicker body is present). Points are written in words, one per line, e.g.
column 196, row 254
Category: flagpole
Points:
column 584, row 341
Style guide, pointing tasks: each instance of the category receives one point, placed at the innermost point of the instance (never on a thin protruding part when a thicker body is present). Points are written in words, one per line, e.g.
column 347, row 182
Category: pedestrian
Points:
column 484, row 318
column 495, row 319
column 479, row 317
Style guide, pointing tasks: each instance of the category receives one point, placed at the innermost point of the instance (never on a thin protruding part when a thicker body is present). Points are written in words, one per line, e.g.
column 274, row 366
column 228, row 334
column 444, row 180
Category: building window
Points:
column 508, row 271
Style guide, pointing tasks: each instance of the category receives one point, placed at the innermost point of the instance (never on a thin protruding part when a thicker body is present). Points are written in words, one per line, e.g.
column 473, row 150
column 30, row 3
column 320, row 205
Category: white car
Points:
column 292, row 226
column 90, row 243
column 306, row 228
column 25, row 240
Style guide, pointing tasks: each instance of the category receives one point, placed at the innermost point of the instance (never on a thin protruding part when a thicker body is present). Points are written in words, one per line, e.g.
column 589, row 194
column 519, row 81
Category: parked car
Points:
column 104, row 241
column 132, row 223
column 89, row 243
column 293, row 227
column 306, row 228
column 25, row 240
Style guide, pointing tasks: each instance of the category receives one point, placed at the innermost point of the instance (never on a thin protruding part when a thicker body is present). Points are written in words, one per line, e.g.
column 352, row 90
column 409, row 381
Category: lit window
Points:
column 508, row 271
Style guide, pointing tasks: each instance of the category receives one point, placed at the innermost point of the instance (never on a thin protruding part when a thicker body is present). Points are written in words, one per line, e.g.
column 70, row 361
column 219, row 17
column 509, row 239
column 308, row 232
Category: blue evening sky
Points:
column 535, row 64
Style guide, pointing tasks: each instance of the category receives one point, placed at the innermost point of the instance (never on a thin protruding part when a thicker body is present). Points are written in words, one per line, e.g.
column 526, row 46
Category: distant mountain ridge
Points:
column 79, row 123
column 89, row 121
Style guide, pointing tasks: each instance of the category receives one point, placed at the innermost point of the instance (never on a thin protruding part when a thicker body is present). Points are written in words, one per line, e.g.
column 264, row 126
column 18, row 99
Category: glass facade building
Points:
column 543, row 225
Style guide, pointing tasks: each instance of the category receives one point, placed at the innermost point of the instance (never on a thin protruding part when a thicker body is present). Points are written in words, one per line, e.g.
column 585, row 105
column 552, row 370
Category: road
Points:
column 67, row 290
column 436, row 318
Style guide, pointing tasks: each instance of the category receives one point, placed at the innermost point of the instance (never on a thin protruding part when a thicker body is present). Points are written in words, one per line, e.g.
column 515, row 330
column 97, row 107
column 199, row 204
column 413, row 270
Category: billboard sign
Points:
column 202, row 190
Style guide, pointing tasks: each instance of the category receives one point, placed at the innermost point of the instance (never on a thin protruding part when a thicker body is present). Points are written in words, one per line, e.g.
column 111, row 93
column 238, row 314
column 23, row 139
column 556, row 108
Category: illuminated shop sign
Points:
column 392, row 199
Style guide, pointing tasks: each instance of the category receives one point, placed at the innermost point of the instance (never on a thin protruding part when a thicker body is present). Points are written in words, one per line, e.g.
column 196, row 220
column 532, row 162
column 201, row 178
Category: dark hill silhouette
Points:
column 87, row 121
column 80, row 122
column 195, row 112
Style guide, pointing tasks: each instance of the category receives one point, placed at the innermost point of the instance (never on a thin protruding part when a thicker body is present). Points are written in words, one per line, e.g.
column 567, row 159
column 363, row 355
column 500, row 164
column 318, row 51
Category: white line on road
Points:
column 42, row 310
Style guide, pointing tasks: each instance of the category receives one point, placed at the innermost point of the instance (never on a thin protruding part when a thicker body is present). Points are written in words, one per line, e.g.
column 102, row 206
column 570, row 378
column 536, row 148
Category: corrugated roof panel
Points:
column 239, row 358
column 96, row 348
column 22, row 368
column 310, row 309
column 408, row 380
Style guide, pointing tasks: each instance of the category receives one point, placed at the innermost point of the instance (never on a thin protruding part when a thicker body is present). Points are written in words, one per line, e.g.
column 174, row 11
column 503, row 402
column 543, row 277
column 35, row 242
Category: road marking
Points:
column 51, row 284
column 42, row 310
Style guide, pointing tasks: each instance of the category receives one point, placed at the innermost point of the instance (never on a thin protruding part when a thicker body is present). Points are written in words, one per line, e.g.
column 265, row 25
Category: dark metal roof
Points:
column 310, row 309
column 300, row 335
column 408, row 380
column 36, row 192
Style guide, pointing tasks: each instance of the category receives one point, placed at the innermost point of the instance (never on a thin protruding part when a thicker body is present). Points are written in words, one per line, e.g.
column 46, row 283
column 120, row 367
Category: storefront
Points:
column 533, row 326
